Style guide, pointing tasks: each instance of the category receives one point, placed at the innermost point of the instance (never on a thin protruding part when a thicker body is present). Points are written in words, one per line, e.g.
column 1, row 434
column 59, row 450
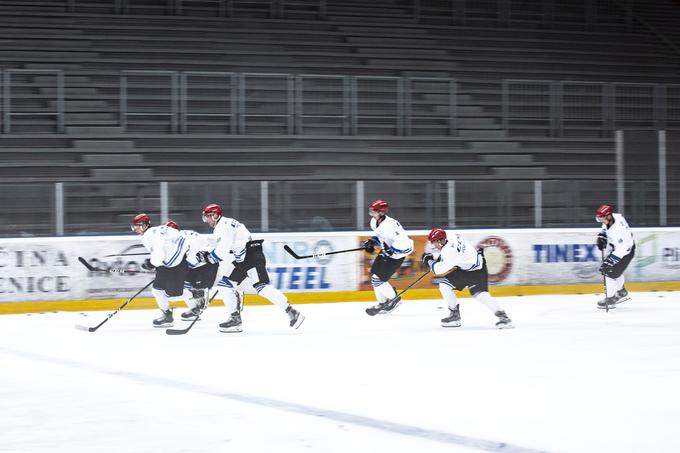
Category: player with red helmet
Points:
column 615, row 241
column 167, row 249
column 395, row 246
column 201, row 275
column 172, row 224
column 248, row 261
column 460, row 266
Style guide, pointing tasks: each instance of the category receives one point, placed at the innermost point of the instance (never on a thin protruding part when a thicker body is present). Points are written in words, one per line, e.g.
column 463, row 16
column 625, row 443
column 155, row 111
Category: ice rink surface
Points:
column 568, row 378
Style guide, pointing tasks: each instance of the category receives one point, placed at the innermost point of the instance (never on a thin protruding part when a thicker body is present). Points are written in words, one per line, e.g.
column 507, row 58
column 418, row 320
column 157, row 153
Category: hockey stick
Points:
column 371, row 313
column 317, row 255
column 126, row 254
column 91, row 268
column 92, row 329
column 183, row 331
column 604, row 282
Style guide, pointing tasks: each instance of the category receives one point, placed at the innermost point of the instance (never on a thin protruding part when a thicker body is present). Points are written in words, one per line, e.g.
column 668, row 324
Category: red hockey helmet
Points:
column 140, row 219
column 172, row 224
column 380, row 206
column 437, row 234
column 212, row 209
column 603, row 211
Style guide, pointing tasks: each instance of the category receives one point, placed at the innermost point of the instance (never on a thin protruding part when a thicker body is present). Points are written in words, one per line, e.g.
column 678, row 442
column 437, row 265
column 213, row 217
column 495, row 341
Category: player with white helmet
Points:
column 395, row 246
column 616, row 242
column 167, row 249
column 249, row 262
column 460, row 266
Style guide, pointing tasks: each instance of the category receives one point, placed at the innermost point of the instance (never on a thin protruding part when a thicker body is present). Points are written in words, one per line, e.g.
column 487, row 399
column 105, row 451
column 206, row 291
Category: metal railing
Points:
column 186, row 102
column 578, row 108
column 215, row 100
column 142, row 93
column 179, row 102
column 312, row 103
column 32, row 92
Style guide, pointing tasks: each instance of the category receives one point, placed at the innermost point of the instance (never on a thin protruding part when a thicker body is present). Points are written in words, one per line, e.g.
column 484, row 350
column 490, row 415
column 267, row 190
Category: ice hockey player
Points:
column 618, row 246
column 167, row 249
column 395, row 246
column 249, row 261
column 201, row 276
column 461, row 266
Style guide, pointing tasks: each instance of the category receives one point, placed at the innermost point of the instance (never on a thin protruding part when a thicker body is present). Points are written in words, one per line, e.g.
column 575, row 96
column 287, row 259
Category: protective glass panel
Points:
column 27, row 210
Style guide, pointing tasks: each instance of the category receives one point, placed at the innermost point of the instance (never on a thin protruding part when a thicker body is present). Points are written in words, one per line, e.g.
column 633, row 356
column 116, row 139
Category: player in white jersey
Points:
column 460, row 266
column 167, row 249
column 395, row 246
column 249, row 262
column 201, row 276
column 618, row 246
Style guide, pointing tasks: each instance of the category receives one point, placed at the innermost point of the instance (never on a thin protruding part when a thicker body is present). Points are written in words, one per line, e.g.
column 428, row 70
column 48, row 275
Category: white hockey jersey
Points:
column 391, row 233
column 166, row 246
column 619, row 238
column 457, row 253
column 232, row 237
column 196, row 242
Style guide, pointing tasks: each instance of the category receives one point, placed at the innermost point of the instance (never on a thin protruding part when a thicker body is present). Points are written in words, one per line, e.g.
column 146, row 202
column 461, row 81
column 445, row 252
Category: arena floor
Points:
column 568, row 378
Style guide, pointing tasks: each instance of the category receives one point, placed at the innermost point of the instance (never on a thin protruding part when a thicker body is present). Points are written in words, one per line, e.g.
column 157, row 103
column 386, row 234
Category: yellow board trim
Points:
column 329, row 297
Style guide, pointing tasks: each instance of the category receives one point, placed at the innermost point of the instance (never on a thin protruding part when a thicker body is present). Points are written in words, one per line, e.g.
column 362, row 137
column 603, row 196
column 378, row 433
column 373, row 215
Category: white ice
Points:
column 568, row 378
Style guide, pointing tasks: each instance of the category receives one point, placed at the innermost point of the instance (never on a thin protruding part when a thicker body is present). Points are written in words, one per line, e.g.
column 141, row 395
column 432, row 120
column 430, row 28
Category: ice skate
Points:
column 165, row 320
column 192, row 314
column 503, row 321
column 376, row 309
column 233, row 324
column 453, row 320
column 621, row 295
column 296, row 318
column 607, row 301
column 391, row 305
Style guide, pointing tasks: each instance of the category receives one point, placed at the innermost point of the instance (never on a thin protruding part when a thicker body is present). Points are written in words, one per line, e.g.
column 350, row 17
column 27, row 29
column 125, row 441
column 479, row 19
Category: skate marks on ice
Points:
column 286, row 406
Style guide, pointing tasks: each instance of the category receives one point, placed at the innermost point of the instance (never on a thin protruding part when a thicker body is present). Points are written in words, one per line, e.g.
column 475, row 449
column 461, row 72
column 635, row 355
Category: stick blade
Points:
column 177, row 331
column 291, row 252
column 85, row 328
column 84, row 262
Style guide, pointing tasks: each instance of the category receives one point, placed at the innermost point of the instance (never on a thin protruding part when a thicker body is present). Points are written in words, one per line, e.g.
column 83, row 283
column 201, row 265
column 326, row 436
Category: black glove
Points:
column 607, row 265
column 387, row 250
column 205, row 257
column 602, row 240
column 147, row 266
column 427, row 259
column 369, row 247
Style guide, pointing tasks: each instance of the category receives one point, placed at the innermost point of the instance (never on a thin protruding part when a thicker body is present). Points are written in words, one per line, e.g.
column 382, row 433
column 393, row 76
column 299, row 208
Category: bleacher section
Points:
column 330, row 89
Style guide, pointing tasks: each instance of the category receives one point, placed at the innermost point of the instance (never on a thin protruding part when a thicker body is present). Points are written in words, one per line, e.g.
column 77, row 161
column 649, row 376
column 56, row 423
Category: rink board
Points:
column 44, row 274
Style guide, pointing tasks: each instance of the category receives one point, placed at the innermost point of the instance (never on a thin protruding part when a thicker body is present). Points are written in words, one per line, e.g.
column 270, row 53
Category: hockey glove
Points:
column 602, row 240
column 206, row 257
column 387, row 250
column 369, row 246
column 427, row 259
column 608, row 265
column 147, row 266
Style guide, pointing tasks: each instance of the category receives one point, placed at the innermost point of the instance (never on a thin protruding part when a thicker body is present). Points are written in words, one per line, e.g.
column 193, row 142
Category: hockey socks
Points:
column 488, row 301
column 274, row 296
column 161, row 299
column 229, row 297
column 385, row 290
